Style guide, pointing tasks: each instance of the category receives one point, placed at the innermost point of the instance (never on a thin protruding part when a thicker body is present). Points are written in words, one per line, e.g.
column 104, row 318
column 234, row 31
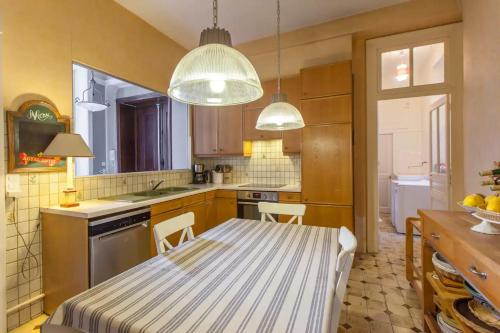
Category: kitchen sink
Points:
column 146, row 195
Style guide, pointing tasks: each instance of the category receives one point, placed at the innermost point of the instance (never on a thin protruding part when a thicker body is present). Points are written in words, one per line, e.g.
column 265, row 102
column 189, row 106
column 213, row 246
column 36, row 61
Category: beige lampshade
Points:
column 68, row 145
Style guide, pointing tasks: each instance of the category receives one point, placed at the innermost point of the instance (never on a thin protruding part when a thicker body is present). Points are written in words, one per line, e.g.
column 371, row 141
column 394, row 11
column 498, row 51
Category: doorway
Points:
column 408, row 75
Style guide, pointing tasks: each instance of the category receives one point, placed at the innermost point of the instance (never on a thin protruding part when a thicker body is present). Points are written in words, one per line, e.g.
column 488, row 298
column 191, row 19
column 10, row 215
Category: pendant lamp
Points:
column 215, row 74
column 279, row 115
column 92, row 104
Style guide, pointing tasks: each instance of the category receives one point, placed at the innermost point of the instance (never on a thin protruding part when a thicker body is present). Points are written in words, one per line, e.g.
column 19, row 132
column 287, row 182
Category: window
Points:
column 415, row 66
column 134, row 129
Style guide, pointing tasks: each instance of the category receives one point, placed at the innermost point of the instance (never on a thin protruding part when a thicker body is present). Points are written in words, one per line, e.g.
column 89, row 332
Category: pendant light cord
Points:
column 279, row 44
column 214, row 7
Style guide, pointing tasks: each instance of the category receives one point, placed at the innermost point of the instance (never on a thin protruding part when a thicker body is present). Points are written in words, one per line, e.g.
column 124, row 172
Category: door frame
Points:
column 3, row 225
column 392, row 170
column 452, row 86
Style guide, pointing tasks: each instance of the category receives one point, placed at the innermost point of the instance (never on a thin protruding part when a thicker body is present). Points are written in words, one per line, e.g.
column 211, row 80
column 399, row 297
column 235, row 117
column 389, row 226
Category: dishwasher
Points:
column 117, row 243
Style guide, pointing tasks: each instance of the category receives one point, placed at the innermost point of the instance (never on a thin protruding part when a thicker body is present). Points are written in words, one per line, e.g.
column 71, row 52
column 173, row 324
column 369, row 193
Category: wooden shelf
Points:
column 431, row 323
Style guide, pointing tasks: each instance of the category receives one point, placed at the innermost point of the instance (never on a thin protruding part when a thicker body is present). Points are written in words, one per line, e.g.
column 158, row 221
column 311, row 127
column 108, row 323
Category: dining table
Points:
column 240, row 276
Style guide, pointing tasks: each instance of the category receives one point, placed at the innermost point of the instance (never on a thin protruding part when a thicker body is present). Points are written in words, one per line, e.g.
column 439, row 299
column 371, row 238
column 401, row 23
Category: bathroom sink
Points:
column 146, row 195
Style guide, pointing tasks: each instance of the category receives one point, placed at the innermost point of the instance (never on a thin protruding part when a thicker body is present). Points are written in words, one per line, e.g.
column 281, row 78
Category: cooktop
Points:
column 263, row 185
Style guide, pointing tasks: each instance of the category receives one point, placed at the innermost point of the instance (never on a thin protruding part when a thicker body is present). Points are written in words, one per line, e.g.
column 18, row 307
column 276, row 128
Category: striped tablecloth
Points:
column 242, row 276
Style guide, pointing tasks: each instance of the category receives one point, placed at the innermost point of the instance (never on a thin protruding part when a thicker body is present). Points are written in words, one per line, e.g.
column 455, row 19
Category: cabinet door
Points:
column 328, row 216
column 291, row 87
column 200, row 223
column 211, row 214
column 251, row 133
column 230, row 130
column 205, row 130
column 292, row 141
column 328, row 110
column 226, row 209
column 173, row 239
column 326, row 80
column 327, row 164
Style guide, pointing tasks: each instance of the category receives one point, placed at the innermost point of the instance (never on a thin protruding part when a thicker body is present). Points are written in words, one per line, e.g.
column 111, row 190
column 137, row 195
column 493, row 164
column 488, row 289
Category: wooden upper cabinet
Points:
column 291, row 87
column 327, row 110
column 292, row 141
column 230, row 130
column 250, row 132
column 205, row 121
column 326, row 80
column 327, row 164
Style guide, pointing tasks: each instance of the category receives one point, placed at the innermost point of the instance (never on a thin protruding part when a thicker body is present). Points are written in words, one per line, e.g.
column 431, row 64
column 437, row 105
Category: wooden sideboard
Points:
column 476, row 256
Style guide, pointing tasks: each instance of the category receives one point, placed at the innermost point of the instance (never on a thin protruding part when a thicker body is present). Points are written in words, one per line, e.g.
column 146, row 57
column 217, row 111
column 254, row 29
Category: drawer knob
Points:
column 435, row 236
column 481, row 275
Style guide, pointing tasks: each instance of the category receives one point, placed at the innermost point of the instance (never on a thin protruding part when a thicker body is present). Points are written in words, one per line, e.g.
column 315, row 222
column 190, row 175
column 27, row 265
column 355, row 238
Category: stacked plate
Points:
column 446, row 324
column 445, row 271
column 477, row 316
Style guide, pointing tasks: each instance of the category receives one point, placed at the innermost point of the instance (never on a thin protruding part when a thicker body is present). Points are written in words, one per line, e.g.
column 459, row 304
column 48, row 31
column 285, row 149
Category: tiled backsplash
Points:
column 267, row 165
column 43, row 189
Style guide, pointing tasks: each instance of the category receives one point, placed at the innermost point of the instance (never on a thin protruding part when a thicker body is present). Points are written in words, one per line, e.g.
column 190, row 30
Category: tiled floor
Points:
column 379, row 299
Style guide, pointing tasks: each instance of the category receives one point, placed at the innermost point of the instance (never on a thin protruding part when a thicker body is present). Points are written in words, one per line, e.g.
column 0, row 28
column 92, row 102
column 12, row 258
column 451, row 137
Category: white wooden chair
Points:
column 348, row 244
column 166, row 228
column 266, row 209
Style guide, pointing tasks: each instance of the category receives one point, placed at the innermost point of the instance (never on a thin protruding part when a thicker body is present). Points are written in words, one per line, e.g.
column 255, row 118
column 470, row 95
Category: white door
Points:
column 385, row 164
column 439, row 154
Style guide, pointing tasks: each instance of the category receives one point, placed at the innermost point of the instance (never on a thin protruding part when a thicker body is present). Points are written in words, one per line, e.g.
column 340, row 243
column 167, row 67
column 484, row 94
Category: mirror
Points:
column 127, row 127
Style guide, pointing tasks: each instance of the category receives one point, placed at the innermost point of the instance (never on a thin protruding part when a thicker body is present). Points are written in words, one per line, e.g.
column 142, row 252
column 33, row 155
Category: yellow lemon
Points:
column 474, row 200
column 489, row 197
column 494, row 205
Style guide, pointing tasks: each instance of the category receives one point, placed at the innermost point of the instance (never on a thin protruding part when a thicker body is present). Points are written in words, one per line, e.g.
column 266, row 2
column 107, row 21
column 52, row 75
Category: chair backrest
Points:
column 166, row 228
column 266, row 209
column 348, row 244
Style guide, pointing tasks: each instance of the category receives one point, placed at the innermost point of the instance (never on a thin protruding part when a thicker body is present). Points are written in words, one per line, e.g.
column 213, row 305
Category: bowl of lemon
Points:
column 489, row 214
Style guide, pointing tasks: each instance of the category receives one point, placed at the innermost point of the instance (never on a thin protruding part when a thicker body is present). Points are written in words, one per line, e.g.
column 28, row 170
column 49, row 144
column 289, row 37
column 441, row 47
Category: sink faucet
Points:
column 153, row 186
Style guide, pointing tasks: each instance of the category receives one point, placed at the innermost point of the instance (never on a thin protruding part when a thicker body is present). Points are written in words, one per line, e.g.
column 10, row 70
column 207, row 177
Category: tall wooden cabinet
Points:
column 218, row 130
column 326, row 154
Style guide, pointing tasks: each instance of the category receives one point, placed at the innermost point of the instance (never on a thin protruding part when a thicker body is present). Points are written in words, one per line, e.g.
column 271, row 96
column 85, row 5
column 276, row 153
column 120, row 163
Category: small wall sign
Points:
column 30, row 130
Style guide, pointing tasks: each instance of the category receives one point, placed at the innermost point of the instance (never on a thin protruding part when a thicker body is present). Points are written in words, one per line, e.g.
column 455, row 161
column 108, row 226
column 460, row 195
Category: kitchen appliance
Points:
column 198, row 175
column 117, row 243
column 248, row 201
column 407, row 195
column 207, row 174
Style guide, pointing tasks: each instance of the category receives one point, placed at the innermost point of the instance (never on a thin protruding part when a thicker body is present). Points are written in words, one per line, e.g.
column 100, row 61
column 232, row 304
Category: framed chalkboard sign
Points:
column 30, row 130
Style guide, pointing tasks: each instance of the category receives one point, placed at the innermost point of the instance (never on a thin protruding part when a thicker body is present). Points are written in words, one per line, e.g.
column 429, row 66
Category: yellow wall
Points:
column 43, row 37
column 481, row 86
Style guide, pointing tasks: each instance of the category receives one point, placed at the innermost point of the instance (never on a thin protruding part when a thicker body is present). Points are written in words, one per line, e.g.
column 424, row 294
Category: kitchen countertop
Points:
column 98, row 207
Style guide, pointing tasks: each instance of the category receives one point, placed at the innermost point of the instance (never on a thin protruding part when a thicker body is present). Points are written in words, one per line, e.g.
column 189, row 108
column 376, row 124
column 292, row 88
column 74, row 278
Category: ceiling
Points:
column 183, row 20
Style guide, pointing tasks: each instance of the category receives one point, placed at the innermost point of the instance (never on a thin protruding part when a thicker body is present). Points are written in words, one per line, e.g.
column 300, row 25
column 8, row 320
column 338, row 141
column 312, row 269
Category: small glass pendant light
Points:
column 92, row 104
column 215, row 74
column 279, row 115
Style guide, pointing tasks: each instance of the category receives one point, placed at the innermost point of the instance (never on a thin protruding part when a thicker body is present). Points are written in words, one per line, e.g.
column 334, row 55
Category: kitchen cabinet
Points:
column 205, row 121
column 331, row 216
column 327, row 110
column 326, row 80
column 230, row 130
column 226, row 207
column 287, row 197
column 291, row 141
column 269, row 88
column 327, row 164
column 218, row 131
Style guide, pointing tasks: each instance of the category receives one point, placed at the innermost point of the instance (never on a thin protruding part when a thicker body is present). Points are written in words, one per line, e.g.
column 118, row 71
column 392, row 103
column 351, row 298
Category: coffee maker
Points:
column 198, row 176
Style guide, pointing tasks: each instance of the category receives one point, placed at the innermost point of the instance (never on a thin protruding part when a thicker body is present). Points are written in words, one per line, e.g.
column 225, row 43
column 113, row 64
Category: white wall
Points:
column 405, row 119
column 181, row 148
column 481, row 89
column 80, row 115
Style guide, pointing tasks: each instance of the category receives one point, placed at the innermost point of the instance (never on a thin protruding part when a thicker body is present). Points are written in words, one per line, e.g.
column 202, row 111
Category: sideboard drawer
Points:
column 439, row 239
column 481, row 272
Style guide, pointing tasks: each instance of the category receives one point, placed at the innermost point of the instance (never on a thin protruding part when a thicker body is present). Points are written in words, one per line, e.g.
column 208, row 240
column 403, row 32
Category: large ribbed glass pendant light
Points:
column 279, row 115
column 215, row 74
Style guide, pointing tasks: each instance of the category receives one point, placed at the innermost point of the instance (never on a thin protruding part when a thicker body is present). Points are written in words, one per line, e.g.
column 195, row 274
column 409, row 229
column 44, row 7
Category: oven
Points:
column 248, row 201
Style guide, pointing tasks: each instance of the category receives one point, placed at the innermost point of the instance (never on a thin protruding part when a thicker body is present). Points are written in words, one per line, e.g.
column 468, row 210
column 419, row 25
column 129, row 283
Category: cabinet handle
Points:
column 481, row 275
column 221, row 149
column 214, row 149
column 435, row 236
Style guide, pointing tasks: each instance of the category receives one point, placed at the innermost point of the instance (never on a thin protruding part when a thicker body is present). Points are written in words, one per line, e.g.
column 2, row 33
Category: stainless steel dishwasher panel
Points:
column 116, row 251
